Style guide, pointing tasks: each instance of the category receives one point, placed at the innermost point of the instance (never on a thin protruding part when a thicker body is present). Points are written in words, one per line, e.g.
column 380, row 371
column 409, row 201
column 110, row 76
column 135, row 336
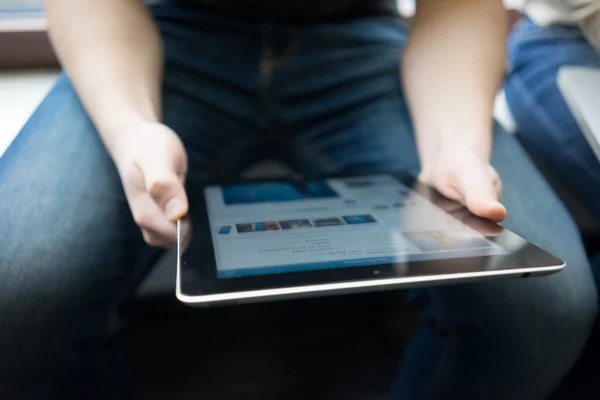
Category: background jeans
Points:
column 325, row 98
column 545, row 124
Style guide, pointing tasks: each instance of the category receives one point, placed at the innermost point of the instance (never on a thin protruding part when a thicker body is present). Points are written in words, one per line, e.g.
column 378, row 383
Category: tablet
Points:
column 265, row 240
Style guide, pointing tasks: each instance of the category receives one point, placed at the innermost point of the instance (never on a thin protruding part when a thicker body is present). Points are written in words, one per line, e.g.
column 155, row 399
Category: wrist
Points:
column 122, row 117
column 453, row 144
column 121, row 134
column 454, row 155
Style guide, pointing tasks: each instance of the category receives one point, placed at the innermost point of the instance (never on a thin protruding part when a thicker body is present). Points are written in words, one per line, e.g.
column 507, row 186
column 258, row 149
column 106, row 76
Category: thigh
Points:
column 545, row 124
column 71, row 253
column 511, row 339
column 70, row 249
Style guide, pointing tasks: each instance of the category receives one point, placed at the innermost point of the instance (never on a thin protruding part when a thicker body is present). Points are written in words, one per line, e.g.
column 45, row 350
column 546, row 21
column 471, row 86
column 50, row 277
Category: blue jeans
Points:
column 325, row 98
column 545, row 124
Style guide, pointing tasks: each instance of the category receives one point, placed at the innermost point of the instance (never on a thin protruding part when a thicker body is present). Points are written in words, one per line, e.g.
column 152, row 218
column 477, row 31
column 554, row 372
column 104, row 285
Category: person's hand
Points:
column 152, row 164
column 459, row 211
column 467, row 177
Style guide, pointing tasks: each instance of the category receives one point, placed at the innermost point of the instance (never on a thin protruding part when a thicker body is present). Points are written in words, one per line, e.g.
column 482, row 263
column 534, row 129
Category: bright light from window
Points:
column 406, row 7
column 22, row 15
column 20, row 5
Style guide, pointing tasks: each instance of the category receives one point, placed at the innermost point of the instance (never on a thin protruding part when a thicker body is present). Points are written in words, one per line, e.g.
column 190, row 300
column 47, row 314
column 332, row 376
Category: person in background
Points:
column 554, row 34
column 155, row 100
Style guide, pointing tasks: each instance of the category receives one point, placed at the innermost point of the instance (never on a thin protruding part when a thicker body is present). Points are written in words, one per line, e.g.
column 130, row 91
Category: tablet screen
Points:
column 279, row 227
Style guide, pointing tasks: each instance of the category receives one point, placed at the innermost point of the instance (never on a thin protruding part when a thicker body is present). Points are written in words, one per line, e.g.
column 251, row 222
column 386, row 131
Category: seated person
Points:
column 155, row 100
column 554, row 34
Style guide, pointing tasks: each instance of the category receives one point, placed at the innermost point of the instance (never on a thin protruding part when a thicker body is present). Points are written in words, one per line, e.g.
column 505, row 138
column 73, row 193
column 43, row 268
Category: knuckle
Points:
column 151, row 240
column 142, row 219
column 158, row 186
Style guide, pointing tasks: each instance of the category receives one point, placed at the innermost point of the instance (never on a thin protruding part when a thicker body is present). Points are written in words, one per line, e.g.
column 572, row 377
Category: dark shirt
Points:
column 296, row 11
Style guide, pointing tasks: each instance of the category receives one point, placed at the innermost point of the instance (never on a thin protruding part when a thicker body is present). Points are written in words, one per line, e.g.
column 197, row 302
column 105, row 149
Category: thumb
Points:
column 165, row 185
column 480, row 190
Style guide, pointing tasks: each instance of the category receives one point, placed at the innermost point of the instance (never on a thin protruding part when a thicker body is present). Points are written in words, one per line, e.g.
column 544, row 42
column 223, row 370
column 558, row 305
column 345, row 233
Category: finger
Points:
column 165, row 187
column 448, row 205
column 481, row 195
column 157, row 230
column 481, row 225
column 159, row 238
column 156, row 240
column 452, row 194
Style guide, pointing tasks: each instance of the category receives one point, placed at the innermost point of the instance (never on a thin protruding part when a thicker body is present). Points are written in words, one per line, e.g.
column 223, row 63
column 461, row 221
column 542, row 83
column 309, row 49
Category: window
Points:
column 23, row 39
column 20, row 4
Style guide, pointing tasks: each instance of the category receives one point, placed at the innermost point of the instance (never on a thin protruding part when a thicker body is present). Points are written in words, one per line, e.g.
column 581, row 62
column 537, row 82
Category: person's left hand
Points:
column 465, row 176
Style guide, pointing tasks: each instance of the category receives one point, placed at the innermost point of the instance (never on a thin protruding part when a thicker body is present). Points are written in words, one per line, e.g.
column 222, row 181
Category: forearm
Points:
column 113, row 54
column 452, row 67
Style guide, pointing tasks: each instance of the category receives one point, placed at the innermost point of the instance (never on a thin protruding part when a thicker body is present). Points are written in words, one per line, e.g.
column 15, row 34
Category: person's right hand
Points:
column 152, row 163
column 464, row 175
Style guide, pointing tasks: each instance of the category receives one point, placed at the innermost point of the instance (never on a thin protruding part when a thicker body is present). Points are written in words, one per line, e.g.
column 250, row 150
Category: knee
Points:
column 38, row 340
column 552, row 332
column 572, row 311
column 31, row 308
column 535, row 327
column 38, row 305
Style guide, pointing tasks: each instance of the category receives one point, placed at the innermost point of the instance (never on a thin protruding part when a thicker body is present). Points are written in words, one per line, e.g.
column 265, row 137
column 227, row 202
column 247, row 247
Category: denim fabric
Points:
column 545, row 124
column 322, row 97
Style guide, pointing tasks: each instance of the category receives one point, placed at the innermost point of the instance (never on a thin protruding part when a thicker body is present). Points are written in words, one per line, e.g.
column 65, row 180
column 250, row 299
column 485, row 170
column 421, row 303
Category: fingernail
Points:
column 174, row 208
